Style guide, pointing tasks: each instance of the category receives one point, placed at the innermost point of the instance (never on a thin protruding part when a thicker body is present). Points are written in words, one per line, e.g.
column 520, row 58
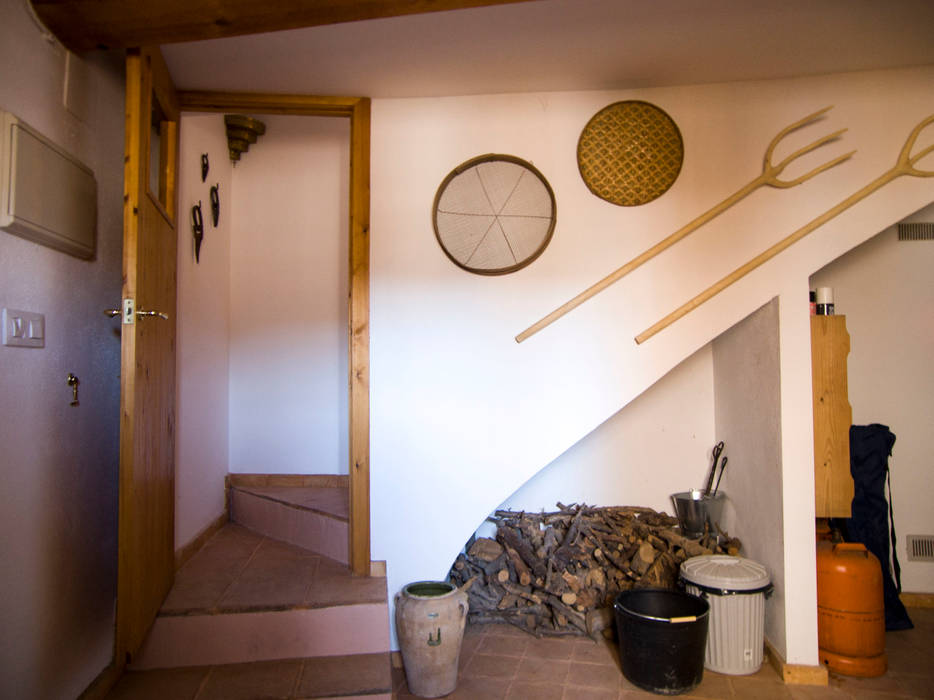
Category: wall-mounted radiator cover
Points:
column 46, row 194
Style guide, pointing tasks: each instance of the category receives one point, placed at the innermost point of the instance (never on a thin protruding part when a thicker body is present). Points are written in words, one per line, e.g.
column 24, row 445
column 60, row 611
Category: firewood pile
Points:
column 559, row 573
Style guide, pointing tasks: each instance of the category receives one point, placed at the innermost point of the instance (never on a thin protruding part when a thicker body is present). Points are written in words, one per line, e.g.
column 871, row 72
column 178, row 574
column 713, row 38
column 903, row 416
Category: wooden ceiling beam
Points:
column 84, row 25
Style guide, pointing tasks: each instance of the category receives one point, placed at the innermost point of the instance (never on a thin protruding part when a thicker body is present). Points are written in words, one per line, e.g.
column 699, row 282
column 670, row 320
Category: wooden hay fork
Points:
column 904, row 165
column 770, row 176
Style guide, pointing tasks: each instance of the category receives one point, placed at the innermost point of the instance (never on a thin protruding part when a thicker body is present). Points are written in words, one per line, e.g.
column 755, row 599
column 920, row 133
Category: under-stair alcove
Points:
column 661, row 444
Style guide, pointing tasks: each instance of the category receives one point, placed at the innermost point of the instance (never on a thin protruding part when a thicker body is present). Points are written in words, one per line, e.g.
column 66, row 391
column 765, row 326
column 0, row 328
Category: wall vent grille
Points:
column 916, row 232
column 920, row 547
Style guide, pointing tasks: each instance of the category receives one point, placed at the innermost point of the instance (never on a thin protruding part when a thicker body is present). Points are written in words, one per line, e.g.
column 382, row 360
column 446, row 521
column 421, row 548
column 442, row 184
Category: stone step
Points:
column 364, row 676
column 248, row 597
column 312, row 517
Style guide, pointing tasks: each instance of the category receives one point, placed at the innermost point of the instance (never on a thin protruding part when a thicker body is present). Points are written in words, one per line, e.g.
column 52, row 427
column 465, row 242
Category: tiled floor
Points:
column 240, row 570
column 498, row 661
column 502, row 662
column 265, row 680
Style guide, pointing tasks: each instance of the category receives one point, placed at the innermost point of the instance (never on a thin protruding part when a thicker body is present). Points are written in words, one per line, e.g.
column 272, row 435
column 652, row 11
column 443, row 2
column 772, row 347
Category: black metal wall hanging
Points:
column 197, row 229
column 215, row 204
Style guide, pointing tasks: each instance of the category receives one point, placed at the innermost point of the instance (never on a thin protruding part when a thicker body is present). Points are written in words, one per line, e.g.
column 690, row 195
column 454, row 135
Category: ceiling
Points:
column 551, row 45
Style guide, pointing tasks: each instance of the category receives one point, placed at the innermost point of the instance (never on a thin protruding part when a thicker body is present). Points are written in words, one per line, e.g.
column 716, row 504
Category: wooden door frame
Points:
column 357, row 109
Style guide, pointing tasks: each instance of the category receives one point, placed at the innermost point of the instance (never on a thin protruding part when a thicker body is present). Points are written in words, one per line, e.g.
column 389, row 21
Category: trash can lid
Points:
column 725, row 572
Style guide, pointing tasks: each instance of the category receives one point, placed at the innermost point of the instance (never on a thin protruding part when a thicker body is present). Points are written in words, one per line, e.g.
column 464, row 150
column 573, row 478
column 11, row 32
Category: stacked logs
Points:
column 559, row 573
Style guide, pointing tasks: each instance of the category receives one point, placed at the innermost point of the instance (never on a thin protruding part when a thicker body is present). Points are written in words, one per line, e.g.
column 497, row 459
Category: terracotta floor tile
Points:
column 749, row 687
column 527, row 690
column 267, row 680
column 594, row 676
column 551, row 647
column 469, row 646
column 577, row 692
column 503, row 645
column 191, row 595
column 537, row 669
column 505, row 629
column 713, row 686
column 602, row 652
column 343, row 675
column 480, row 689
column 168, row 684
column 881, row 684
column 490, row 666
column 270, row 585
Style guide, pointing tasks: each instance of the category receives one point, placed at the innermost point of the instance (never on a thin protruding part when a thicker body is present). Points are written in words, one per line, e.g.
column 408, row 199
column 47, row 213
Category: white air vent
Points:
column 916, row 232
column 920, row 547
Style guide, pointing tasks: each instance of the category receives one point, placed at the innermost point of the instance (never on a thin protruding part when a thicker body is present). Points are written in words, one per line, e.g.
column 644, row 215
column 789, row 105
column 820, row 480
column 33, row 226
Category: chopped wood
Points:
column 485, row 549
column 560, row 573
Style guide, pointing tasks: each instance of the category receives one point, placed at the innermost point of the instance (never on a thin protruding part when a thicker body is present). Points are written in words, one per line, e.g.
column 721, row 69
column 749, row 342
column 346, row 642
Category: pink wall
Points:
column 58, row 501
column 203, row 329
column 288, row 300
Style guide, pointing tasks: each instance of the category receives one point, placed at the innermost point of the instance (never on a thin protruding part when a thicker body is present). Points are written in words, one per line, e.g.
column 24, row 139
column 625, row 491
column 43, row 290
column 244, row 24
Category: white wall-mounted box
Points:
column 46, row 194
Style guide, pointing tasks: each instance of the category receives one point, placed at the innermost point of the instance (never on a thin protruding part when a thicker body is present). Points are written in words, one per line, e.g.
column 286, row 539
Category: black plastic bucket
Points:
column 662, row 639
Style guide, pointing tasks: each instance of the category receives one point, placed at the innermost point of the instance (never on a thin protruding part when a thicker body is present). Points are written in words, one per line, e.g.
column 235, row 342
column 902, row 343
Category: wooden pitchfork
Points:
column 768, row 177
column 905, row 165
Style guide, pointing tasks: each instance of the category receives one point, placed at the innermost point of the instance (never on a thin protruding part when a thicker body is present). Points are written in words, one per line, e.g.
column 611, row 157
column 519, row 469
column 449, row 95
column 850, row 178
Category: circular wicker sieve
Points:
column 494, row 214
column 630, row 153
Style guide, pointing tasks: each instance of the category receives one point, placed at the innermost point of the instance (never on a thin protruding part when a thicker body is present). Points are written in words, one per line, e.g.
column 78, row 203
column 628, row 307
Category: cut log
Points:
column 485, row 549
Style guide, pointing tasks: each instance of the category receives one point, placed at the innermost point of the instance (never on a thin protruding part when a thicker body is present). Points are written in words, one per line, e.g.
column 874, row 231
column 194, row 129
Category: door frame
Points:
column 357, row 109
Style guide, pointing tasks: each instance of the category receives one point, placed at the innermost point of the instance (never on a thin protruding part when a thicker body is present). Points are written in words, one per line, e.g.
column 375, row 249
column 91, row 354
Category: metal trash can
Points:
column 736, row 589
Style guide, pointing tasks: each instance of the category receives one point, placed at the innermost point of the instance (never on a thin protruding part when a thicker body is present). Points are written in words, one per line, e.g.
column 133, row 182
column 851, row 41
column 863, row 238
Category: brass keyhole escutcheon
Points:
column 73, row 382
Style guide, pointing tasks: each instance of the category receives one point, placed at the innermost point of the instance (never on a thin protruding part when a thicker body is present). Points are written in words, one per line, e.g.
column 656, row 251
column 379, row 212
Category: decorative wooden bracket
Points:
column 241, row 132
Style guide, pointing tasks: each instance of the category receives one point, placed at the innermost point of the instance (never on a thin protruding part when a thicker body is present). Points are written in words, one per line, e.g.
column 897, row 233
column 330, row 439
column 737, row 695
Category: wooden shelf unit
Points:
column 833, row 484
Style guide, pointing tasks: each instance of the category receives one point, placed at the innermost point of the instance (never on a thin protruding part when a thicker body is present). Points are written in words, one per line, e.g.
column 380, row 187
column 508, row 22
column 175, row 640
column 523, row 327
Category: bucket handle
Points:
column 463, row 607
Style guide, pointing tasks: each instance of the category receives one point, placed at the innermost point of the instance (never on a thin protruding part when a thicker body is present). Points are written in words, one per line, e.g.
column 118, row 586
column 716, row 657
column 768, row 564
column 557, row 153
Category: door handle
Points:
column 160, row 314
column 129, row 312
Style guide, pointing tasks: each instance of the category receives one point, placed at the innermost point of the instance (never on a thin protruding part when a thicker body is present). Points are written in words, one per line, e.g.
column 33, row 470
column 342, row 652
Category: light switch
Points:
column 37, row 328
column 24, row 329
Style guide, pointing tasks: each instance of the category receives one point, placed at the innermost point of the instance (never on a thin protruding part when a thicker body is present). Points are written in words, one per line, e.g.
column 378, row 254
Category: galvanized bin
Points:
column 736, row 589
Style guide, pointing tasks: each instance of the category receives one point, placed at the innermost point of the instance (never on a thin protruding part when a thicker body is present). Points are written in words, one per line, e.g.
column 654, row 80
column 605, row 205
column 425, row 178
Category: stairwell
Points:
column 268, row 607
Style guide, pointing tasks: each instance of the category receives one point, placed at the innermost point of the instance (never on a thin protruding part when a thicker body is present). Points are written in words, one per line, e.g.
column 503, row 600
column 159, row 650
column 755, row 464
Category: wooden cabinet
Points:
column 833, row 484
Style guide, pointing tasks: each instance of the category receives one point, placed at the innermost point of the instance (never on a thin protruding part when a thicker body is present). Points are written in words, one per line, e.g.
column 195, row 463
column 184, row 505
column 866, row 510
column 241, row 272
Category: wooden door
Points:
column 147, row 386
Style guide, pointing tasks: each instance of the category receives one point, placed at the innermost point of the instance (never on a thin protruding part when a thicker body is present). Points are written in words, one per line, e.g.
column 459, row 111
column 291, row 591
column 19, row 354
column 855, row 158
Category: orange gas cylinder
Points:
column 850, row 610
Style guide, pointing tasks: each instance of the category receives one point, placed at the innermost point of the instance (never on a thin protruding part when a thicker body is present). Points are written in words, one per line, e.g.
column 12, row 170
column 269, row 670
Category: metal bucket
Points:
column 695, row 510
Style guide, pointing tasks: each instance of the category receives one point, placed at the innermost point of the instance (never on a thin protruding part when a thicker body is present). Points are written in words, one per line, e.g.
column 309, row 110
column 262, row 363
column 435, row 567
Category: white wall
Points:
column 886, row 290
column 462, row 416
column 747, row 385
column 288, row 299
column 653, row 447
column 58, row 502
column 203, row 327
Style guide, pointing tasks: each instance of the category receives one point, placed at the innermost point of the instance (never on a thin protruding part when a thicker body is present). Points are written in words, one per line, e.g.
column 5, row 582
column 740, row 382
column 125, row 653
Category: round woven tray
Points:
column 494, row 214
column 630, row 153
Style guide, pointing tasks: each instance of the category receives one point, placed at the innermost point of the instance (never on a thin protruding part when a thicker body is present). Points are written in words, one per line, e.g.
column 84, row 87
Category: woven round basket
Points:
column 630, row 153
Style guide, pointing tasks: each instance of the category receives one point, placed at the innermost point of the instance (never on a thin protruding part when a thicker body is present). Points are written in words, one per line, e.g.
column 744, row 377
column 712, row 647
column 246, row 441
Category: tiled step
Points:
column 313, row 517
column 248, row 597
column 364, row 676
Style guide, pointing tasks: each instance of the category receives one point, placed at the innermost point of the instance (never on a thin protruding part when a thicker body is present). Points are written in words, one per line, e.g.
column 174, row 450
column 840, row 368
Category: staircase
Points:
column 270, row 597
